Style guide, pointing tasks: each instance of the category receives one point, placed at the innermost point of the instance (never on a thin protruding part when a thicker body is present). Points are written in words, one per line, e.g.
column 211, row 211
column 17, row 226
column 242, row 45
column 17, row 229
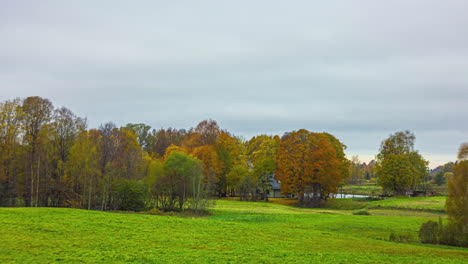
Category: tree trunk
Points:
column 89, row 192
column 37, row 181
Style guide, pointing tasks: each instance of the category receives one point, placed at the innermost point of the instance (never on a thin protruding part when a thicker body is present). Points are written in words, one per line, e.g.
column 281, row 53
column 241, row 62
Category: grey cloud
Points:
column 358, row 69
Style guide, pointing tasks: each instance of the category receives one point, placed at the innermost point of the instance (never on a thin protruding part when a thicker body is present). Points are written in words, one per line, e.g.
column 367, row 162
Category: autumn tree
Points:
column 124, row 161
column 231, row 153
column 209, row 131
column 83, row 172
column 261, row 153
column 10, row 151
column 398, row 165
column 457, row 200
column 65, row 128
column 308, row 166
column 205, row 133
column 212, row 165
column 160, row 140
column 37, row 113
column 143, row 134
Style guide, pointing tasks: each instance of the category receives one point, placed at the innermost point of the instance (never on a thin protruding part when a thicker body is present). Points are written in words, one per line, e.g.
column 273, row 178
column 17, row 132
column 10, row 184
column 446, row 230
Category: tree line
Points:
column 48, row 157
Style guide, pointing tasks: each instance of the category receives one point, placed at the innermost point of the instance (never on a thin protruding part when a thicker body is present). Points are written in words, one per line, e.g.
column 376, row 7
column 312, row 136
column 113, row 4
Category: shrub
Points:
column 430, row 232
column 436, row 233
column 131, row 195
column 154, row 211
column 361, row 212
column 402, row 237
column 439, row 178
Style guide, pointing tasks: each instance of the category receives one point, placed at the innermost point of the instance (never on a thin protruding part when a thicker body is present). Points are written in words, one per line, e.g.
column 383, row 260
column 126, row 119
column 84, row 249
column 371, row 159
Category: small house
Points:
column 275, row 191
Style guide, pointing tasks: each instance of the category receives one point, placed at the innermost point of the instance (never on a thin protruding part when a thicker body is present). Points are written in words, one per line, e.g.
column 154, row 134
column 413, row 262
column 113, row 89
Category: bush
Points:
column 361, row 212
column 430, row 232
column 131, row 195
column 439, row 178
column 155, row 211
column 436, row 233
column 402, row 237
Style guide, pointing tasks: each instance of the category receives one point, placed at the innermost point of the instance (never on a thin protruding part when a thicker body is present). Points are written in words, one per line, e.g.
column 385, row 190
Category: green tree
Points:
column 439, row 178
column 182, row 183
column 395, row 173
column 398, row 165
column 131, row 195
column 83, row 172
column 143, row 134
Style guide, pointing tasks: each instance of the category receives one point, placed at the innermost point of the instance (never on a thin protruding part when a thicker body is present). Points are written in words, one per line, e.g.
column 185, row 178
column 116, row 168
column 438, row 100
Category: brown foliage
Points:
column 308, row 166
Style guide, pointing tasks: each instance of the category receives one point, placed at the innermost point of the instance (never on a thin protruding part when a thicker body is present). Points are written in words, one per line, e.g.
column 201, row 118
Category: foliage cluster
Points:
column 48, row 157
column 311, row 166
column 399, row 166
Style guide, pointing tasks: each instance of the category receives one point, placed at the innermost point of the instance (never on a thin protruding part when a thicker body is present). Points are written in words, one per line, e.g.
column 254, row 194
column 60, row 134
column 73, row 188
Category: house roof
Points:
column 274, row 183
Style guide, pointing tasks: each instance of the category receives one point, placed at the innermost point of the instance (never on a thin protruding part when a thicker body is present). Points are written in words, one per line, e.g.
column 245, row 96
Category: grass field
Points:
column 373, row 189
column 430, row 204
column 362, row 189
column 236, row 232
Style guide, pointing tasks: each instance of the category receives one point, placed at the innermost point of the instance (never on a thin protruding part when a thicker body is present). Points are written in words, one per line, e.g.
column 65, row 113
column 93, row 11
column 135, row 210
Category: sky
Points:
column 360, row 70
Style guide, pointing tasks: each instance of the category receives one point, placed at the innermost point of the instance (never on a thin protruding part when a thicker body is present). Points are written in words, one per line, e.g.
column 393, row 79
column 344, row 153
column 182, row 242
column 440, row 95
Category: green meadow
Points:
column 234, row 232
column 429, row 204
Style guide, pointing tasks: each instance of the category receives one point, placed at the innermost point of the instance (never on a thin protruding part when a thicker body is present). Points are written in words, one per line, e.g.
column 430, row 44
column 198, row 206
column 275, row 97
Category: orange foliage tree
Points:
column 309, row 166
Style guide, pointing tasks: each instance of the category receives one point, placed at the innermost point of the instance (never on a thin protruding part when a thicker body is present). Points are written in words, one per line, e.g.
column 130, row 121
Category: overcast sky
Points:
column 360, row 70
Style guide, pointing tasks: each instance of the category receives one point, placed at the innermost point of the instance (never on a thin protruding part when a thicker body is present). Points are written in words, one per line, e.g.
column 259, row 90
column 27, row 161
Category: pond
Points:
column 345, row 195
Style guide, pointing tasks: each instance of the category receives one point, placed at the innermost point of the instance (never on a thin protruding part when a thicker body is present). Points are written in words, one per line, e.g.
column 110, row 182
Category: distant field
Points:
column 372, row 189
column 237, row 232
column 362, row 189
column 430, row 204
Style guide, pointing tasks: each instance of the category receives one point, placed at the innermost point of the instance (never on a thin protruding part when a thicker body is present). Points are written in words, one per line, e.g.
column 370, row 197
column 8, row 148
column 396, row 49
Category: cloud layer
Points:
column 358, row 69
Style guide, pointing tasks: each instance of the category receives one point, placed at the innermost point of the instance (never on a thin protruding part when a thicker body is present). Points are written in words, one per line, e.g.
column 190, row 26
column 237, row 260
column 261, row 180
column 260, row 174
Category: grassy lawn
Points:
column 236, row 232
column 430, row 204
column 373, row 189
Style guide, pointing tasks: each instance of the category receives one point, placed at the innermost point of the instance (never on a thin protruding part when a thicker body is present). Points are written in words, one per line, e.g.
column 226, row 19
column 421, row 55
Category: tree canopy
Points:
column 310, row 165
column 399, row 166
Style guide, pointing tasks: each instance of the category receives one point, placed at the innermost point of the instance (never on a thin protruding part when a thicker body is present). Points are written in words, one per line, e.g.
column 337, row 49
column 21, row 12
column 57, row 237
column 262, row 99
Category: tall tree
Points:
column 161, row 139
column 143, row 134
column 355, row 171
column 37, row 113
column 182, row 182
column 65, row 128
column 212, row 165
column 457, row 200
column 231, row 153
column 398, row 165
column 10, row 128
column 84, row 171
column 109, row 146
column 262, row 152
